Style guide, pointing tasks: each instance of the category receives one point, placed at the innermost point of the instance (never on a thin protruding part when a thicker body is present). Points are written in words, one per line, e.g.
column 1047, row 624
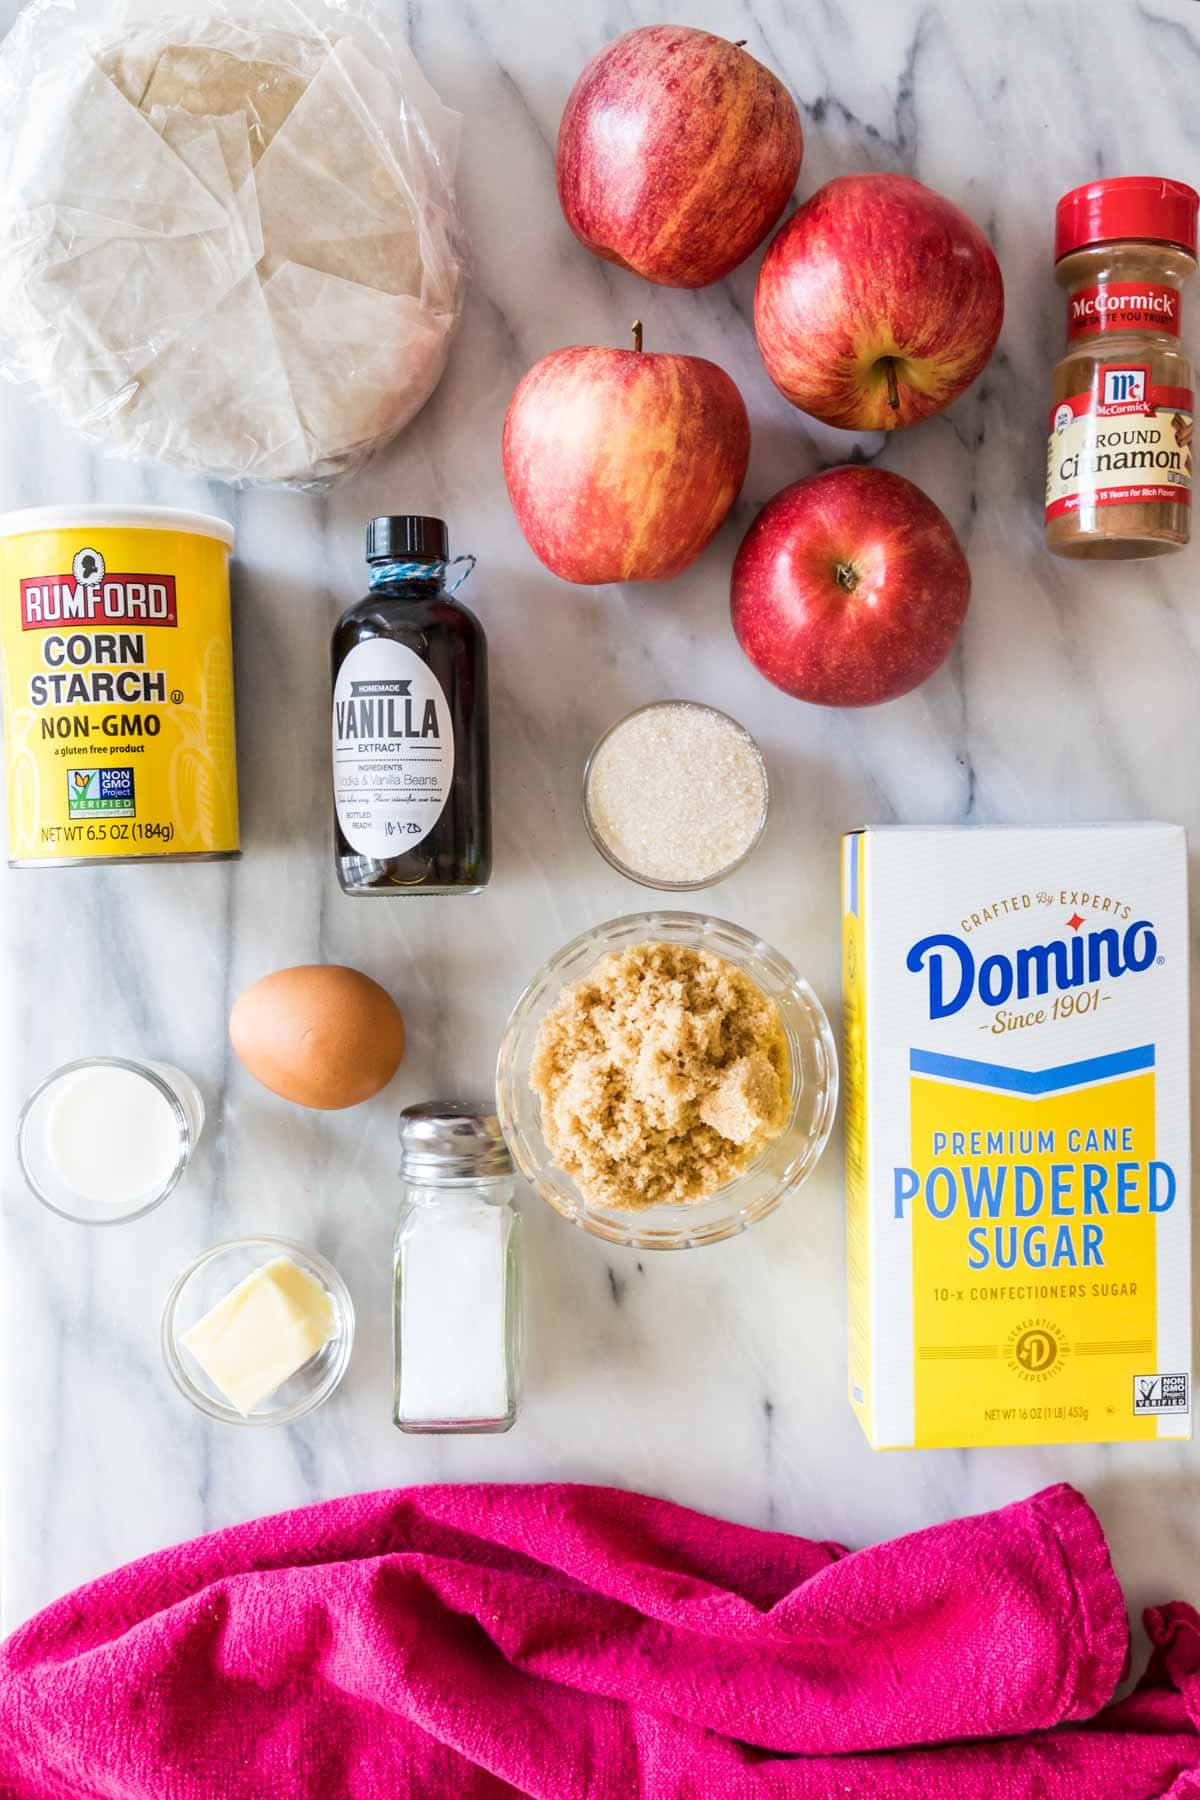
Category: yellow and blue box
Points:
column 1017, row 1135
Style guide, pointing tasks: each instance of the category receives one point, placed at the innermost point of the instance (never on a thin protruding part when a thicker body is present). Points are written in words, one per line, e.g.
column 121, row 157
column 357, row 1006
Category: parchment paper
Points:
column 228, row 242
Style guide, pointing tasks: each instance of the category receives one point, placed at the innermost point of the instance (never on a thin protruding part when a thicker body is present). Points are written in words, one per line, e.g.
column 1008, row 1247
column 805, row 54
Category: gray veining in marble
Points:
column 716, row 1377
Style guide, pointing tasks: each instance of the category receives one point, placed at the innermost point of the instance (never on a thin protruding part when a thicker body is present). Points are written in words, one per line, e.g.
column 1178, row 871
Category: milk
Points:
column 108, row 1134
column 1017, row 1138
column 111, row 1135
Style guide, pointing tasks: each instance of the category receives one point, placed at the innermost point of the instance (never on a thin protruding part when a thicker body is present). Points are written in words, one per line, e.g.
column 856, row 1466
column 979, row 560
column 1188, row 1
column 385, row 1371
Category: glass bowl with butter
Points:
column 258, row 1331
column 666, row 1080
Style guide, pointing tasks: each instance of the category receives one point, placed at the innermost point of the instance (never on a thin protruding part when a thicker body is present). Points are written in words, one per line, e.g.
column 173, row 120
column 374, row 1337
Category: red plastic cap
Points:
column 1141, row 207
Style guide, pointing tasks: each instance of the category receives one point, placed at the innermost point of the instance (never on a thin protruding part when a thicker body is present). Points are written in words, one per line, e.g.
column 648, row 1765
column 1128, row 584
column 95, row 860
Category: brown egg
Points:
column 320, row 1035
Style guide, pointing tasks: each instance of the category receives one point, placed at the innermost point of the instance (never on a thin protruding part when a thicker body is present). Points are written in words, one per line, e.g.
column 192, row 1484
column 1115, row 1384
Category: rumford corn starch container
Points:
column 117, row 686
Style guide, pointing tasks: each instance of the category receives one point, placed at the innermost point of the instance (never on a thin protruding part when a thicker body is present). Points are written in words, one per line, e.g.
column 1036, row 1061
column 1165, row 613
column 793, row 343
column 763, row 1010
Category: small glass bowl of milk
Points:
column 105, row 1140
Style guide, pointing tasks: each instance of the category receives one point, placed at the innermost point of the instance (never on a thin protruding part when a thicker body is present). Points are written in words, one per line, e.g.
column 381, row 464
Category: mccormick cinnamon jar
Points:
column 1119, row 460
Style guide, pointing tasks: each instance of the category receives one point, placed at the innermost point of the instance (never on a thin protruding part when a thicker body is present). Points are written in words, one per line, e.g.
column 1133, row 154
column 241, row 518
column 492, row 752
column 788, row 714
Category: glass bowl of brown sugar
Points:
column 666, row 1080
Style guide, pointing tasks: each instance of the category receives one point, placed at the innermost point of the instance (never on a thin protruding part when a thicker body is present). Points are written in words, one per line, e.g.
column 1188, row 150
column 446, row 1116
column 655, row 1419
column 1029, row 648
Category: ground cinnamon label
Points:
column 1119, row 452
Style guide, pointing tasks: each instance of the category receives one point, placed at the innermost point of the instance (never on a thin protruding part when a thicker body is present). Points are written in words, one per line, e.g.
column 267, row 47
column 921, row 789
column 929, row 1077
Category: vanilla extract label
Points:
column 385, row 710
column 393, row 749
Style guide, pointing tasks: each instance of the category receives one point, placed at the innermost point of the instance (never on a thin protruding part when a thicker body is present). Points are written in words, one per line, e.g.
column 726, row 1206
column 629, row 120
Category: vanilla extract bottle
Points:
column 411, row 755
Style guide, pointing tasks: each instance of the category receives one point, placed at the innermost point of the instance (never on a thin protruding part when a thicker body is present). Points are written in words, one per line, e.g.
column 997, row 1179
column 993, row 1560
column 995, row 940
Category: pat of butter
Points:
column 265, row 1328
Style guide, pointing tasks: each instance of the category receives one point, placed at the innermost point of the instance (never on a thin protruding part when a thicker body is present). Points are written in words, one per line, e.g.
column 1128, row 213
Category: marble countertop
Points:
column 716, row 1377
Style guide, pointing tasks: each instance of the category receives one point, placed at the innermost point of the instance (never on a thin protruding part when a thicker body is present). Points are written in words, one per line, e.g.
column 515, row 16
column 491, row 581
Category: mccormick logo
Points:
column 1056, row 967
column 1125, row 390
column 1086, row 308
column 89, row 595
column 1124, row 385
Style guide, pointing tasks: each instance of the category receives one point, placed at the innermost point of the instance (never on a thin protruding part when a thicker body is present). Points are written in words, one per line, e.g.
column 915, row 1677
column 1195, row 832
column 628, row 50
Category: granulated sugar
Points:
column 677, row 793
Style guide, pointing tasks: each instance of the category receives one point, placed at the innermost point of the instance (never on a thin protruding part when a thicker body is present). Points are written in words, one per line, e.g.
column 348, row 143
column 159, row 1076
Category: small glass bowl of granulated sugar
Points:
column 675, row 795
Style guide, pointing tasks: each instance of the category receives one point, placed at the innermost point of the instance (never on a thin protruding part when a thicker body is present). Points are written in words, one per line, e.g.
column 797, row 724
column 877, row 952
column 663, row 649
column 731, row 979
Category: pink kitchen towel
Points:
column 579, row 1643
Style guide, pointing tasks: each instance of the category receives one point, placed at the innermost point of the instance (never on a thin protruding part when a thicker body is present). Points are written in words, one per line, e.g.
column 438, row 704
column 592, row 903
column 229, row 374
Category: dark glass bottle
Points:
column 411, row 774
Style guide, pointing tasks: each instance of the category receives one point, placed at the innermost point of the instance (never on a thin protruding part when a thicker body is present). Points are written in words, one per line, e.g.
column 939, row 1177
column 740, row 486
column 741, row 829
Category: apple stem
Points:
column 846, row 576
column 740, row 43
column 893, row 386
column 637, row 334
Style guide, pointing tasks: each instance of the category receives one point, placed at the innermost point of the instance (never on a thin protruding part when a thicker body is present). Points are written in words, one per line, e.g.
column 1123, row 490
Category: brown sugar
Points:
column 1119, row 454
column 661, row 1075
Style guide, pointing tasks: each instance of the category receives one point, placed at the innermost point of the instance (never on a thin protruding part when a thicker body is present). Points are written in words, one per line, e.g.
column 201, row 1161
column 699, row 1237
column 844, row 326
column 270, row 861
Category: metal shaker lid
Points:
column 452, row 1140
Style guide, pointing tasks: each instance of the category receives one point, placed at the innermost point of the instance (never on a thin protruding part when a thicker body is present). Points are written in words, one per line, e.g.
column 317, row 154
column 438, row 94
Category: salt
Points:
column 453, row 1358
column 457, row 1317
column 676, row 794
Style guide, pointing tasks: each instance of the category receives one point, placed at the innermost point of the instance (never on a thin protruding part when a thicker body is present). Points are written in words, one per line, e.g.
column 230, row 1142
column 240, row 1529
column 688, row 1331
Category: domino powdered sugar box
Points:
column 1017, row 1136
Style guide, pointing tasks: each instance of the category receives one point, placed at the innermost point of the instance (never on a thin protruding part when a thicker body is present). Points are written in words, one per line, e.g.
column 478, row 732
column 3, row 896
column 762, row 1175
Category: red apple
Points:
column 676, row 154
column 621, row 464
column 877, row 303
column 849, row 588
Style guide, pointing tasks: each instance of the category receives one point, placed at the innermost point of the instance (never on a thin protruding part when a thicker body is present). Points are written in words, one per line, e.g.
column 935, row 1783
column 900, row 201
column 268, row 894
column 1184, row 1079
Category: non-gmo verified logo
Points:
column 103, row 793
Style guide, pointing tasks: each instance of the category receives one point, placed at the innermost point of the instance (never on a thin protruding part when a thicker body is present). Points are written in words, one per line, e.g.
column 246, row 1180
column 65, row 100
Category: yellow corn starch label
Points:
column 118, row 693
column 1017, row 1134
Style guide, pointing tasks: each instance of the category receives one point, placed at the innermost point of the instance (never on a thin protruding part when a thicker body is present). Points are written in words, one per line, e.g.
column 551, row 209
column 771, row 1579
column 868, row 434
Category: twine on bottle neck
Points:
column 432, row 570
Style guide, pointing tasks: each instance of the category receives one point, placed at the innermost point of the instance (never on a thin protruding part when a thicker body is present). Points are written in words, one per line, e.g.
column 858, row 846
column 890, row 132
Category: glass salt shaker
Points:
column 456, row 1317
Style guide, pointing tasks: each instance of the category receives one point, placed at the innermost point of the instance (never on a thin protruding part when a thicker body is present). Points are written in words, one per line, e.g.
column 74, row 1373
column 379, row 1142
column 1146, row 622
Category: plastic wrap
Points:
column 228, row 238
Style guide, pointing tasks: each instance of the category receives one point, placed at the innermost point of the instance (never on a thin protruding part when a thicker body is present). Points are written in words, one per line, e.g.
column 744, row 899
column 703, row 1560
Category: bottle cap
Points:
column 1140, row 207
column 403, row 537
column 448, row 1139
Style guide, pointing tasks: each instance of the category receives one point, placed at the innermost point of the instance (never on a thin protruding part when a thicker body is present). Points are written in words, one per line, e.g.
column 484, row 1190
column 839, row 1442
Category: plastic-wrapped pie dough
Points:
column 227, row 233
